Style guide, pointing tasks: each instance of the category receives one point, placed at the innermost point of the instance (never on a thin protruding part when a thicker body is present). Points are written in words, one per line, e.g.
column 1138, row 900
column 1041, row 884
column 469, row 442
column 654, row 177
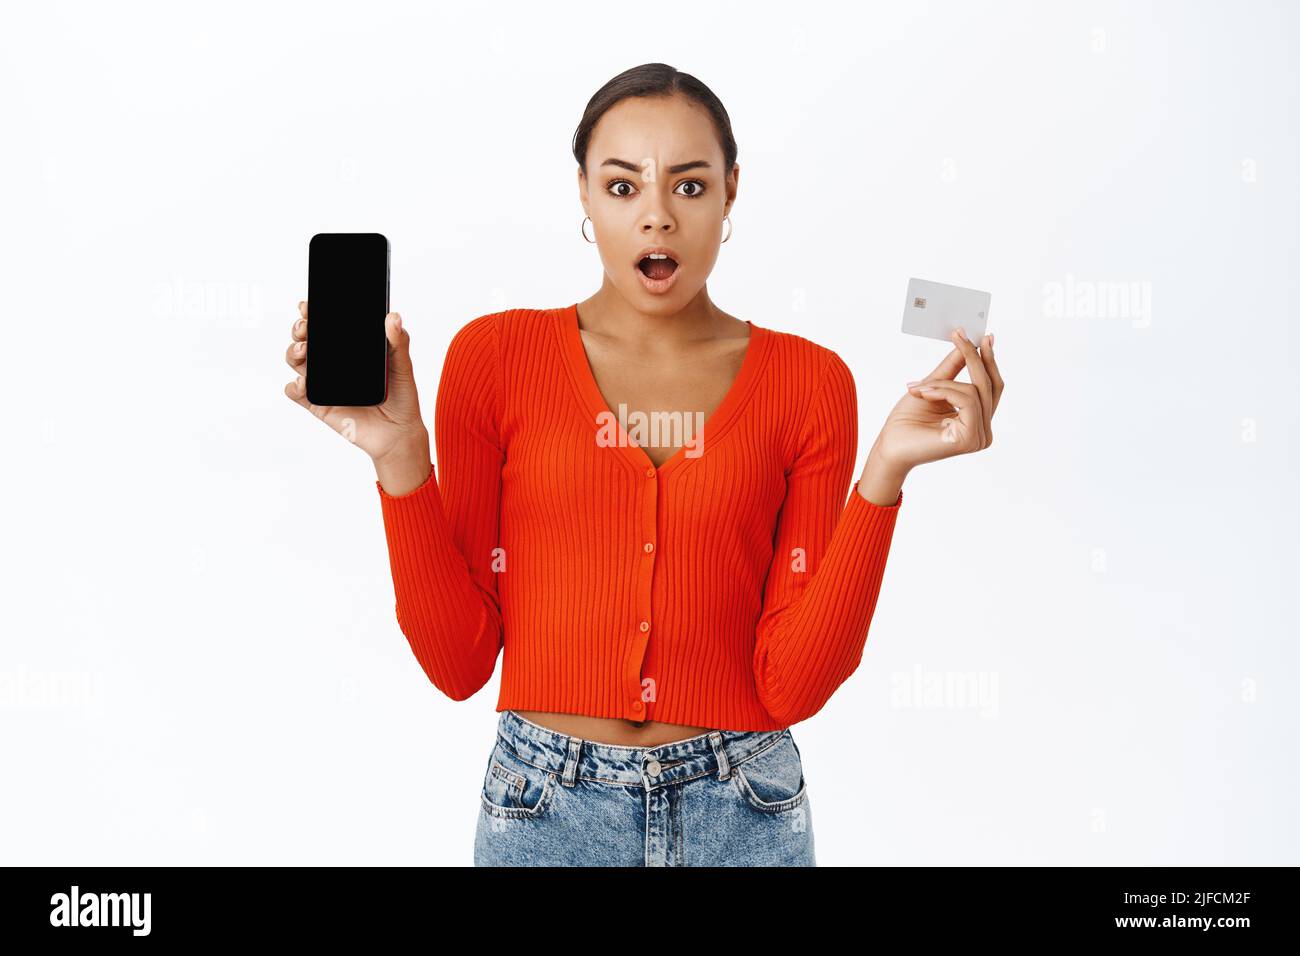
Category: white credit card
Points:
column 934, row 309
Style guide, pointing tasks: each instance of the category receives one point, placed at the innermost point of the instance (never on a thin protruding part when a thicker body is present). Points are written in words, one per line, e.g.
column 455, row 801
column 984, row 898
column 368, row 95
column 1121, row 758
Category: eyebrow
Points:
column 672, row 170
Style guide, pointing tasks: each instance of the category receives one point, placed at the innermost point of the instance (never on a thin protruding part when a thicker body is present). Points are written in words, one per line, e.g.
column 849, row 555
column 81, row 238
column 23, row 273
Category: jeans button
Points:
column 653, row 768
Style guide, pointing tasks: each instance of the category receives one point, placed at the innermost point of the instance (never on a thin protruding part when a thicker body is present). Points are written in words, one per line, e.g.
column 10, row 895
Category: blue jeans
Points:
column 724, row 798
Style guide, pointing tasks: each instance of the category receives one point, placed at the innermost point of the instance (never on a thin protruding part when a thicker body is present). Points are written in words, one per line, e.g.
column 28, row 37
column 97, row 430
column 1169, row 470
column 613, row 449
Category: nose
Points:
column 655, row 215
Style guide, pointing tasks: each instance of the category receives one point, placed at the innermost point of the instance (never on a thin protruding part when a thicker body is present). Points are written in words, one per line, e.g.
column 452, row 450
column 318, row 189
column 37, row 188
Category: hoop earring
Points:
column 727, row 220
column 582, row 227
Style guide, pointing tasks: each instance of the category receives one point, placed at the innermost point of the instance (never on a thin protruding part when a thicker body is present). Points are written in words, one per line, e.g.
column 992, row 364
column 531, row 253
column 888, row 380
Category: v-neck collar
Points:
column 714, row 427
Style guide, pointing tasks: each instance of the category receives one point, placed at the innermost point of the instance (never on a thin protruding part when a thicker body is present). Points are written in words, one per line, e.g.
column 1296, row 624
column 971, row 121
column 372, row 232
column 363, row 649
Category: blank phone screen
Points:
column 347, row 299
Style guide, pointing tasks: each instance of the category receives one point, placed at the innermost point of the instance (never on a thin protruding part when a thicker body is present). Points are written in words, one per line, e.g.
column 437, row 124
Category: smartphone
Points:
column 934, row 309
column 347, row 300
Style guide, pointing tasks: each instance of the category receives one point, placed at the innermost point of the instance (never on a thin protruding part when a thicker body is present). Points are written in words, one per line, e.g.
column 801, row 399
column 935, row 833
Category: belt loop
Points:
column 571, row 761
column 724, row 765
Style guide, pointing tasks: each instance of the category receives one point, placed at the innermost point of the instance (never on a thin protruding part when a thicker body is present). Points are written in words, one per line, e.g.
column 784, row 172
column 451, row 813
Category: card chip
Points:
column 918, row 303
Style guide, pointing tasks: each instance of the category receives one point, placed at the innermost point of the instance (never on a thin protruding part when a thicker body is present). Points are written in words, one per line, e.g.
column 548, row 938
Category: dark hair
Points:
column 653, row 79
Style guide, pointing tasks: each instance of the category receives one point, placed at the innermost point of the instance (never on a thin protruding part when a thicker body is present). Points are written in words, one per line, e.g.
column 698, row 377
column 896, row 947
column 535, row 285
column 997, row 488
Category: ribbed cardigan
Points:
column 731, row 587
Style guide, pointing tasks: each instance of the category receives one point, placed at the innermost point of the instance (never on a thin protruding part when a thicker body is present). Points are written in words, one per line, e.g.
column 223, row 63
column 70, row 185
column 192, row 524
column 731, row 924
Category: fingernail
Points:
column 962, row 332
column 917, row 382
column 300, row 347
column 990, row 338
column 297, row 326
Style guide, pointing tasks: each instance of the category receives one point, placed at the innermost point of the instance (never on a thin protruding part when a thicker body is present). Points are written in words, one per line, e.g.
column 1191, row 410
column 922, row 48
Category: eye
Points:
column 612, row 188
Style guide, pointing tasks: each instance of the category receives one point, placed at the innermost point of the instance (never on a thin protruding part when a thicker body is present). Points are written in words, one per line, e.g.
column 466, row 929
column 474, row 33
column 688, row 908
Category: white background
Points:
column 200, row 660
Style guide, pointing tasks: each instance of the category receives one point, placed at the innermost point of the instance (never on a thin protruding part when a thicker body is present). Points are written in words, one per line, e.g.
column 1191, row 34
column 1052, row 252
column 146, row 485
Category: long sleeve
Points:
column 442, row 536
column 827, row 565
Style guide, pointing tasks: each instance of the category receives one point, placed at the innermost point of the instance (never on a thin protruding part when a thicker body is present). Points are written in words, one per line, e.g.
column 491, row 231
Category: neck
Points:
column 609, row 314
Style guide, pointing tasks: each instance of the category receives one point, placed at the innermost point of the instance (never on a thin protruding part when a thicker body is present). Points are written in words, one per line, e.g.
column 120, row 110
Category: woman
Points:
column 668, row 605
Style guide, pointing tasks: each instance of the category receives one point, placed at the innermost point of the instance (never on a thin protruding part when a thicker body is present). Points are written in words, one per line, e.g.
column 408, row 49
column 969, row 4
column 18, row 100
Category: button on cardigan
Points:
column 731, row 587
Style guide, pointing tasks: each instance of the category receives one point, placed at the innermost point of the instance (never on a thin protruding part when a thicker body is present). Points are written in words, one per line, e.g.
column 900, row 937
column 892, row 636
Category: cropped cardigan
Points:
column 731, row 587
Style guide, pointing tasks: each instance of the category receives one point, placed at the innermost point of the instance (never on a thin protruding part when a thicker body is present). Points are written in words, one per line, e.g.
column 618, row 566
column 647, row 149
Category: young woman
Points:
column 668, row 605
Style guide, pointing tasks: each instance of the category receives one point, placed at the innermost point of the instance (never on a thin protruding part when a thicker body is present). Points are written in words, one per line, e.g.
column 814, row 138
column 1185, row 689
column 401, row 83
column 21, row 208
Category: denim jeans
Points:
column 724, row 798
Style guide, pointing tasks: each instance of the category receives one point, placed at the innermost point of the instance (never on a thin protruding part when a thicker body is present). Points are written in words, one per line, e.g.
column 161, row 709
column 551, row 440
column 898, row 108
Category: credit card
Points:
column 934, row 309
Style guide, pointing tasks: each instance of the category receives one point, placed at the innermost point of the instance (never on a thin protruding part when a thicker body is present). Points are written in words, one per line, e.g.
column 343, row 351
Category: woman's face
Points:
column 656, row 179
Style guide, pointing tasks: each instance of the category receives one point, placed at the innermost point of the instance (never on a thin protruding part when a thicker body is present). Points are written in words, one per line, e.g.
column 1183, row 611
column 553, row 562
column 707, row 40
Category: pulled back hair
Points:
column 653, row 79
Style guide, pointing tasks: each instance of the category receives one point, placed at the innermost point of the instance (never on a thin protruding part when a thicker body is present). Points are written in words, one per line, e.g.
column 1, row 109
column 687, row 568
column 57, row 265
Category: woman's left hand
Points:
column 939, row 417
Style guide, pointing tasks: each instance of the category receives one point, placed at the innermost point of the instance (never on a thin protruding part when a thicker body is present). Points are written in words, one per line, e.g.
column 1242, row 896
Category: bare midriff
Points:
column 609, row 730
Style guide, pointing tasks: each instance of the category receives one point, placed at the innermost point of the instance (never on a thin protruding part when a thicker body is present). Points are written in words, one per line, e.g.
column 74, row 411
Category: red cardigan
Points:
column 729, row 589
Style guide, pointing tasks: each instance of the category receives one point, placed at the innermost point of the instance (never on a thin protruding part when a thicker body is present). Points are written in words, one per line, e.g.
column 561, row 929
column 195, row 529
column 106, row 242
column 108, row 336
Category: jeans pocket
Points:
column 514, row 788
column 772, row 780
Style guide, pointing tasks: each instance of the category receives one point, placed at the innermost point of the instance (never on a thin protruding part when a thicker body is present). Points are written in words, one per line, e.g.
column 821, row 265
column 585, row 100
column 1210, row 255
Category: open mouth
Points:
column 657, row 267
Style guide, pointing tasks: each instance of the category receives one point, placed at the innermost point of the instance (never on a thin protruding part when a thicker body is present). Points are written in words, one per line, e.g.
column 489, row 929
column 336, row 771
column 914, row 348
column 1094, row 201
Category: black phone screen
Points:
column 347, row 299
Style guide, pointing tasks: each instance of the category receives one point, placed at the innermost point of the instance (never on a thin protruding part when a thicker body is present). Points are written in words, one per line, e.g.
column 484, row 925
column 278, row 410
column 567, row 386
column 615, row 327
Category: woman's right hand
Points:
column 385, row 432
